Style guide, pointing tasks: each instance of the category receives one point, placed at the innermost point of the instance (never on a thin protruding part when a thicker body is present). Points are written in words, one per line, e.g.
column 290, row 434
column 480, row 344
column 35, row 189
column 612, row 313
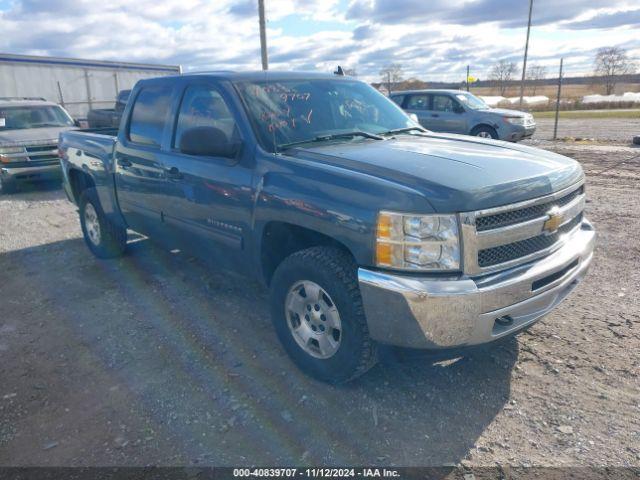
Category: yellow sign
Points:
column 471, row 79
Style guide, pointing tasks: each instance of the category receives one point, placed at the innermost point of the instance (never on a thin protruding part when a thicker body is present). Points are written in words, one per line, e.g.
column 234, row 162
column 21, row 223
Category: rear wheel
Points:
column 318, row 315
column 484, row 131
column 104, row 238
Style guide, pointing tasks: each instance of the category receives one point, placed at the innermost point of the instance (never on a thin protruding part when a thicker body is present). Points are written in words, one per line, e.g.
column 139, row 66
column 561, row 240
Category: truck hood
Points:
column 455, row 173
column 28, row 136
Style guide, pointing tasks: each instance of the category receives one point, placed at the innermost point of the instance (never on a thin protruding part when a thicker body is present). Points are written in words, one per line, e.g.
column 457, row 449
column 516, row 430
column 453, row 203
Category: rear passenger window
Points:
column 418, row 102
column 149, row 115
column 398, row 99
column 203, row 106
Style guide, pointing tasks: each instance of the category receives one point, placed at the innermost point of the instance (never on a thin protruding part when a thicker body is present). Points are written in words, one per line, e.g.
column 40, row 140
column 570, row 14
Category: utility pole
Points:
column 389, row 82
column 526, row 51
column 263, row 36
column 555, row 125
column 467, row 78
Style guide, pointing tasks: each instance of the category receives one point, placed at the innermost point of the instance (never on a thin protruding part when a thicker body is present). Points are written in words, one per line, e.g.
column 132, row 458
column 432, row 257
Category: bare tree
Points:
column 391, row 74
column 502, row 73
column 535, row 74
column 610, row 62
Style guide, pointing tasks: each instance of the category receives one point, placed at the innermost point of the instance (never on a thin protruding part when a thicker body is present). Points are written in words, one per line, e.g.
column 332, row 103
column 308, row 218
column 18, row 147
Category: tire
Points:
column 484, row 131
column 334, row 271
column 111, row 239
column 636, row 140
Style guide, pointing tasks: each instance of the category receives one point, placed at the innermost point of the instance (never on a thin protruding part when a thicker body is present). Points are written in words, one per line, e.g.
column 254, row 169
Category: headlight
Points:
column 9, row 150
column 515, row 120
column 417, row 242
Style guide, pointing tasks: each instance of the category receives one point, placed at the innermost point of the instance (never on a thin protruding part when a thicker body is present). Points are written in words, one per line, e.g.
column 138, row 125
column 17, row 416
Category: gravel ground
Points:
column 609, row 129
column 155, row 359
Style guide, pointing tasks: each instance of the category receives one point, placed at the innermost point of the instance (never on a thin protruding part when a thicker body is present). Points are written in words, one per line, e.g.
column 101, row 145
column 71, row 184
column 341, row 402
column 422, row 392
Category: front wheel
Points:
column 104, row 238
column 484, row 131
column 317, row 311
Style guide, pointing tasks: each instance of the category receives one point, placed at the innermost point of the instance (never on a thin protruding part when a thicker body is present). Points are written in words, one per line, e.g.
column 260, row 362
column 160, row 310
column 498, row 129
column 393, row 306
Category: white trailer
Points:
column 78, row 85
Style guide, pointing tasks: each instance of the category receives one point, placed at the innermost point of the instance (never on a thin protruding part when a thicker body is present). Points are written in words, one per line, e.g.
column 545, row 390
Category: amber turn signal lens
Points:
column 383, row 254
column 384, row 226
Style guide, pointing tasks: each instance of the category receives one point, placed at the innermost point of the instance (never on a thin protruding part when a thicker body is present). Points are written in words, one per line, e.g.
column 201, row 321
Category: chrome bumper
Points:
column 36, row 172
column 441, row 312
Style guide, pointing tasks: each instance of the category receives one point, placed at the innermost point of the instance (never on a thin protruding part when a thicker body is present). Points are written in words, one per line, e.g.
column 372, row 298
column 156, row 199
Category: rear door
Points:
column 139, row 177
column 210, row 201
column 447, row 115
column 418, row 103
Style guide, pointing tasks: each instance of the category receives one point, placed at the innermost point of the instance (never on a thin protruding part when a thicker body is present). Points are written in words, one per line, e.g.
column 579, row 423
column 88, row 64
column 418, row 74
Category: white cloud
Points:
column 434, row 39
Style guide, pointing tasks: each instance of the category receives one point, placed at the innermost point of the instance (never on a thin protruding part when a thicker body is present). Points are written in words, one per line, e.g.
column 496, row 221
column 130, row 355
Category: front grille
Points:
column 513, row 217
column 512, row 251
column 42, row 153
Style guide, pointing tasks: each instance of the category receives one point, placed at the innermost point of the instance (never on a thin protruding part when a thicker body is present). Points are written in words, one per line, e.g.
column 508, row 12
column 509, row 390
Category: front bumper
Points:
column 440, row 312
column 517, row 133
column 34, row 173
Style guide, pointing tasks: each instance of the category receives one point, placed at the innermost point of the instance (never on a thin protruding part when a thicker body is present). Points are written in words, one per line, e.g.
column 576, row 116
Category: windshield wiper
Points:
column 406, row 130
column 333, row 136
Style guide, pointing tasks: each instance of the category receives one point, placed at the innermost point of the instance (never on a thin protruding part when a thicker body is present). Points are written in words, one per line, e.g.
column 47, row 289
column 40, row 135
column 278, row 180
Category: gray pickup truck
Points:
column 367, row 228
column 29, row 130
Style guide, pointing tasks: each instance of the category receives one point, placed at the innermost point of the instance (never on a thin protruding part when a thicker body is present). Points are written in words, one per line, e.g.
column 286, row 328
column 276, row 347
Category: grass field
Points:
column 591, row 114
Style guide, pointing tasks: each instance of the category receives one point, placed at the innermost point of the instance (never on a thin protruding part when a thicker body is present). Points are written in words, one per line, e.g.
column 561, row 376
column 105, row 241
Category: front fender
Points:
column 340, row 204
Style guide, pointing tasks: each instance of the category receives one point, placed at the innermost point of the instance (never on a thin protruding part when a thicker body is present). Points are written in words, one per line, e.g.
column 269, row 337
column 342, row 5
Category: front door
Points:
column 140, row 178
column 446, row 115
column 210, row 200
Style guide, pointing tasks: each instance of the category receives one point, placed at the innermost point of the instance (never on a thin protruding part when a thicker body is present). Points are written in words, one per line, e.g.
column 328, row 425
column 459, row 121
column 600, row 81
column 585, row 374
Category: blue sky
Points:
column 432, row 39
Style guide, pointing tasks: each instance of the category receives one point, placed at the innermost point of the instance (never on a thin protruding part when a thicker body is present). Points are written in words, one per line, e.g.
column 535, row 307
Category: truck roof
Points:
column 24, row 102
column 248, row 76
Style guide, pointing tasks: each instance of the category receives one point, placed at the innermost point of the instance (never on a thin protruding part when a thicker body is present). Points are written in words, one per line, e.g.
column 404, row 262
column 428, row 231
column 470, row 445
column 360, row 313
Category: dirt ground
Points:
column 155, row 359
column 611, row 129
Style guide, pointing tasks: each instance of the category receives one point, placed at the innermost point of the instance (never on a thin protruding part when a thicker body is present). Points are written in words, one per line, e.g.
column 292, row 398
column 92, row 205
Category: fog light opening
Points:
column 504, row 321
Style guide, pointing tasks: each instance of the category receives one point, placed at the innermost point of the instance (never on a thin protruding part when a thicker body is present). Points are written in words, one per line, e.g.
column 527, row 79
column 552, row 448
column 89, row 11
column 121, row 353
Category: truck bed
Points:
column 92, row 142
column 90, row 150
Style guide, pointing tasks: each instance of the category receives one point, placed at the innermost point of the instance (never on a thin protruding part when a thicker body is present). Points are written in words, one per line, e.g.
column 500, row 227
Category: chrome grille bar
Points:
column 527, row 236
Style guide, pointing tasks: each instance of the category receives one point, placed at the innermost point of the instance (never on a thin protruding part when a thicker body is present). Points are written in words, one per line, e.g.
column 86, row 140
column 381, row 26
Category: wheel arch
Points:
column 79, row 181
column 280, row 239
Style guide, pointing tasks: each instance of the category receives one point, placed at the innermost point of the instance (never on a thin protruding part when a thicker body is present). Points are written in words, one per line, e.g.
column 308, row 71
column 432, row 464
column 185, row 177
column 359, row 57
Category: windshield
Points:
column 472, row 101
column 17, row 118
column 294, row 111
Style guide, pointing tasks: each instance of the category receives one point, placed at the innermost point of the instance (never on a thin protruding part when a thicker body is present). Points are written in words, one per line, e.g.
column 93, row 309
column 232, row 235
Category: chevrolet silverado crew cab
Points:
column 367, row 228
column 29, row 129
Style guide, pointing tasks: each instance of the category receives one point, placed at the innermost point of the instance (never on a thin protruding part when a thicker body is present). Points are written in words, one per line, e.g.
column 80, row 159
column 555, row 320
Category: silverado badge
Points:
column 554, row 221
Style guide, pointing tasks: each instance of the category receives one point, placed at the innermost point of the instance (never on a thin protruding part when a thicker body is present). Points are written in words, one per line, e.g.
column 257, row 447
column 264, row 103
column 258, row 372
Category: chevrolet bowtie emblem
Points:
column 554, row 221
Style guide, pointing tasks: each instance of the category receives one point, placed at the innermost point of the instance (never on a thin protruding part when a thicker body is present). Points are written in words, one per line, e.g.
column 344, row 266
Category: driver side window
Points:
column 443, row 103
column 203, row 106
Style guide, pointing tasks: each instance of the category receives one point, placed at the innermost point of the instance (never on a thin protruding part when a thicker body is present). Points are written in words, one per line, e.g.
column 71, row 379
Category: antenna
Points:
column 339, row 71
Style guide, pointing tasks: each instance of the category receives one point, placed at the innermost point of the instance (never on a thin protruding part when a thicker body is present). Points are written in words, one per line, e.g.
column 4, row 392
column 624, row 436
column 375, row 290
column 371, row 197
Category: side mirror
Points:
column 77, row 123
column 208, row 142
column 457, row 108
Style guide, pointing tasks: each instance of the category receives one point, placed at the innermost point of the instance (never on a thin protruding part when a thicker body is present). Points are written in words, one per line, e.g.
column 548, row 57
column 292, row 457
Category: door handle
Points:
column 435, row 115
column 124, row 163
column 173, row 173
